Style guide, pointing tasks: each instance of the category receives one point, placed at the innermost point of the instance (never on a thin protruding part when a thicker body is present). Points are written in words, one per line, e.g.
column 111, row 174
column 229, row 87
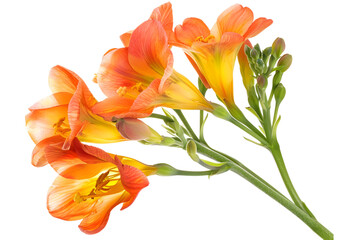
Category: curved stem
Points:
column 247, row 170
column 275, row 150
column 312, row 223
column 186, row 124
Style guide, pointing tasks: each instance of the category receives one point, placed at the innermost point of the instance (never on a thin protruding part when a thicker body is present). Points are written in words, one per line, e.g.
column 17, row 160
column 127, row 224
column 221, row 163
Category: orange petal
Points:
column 146, row 101
column 55, row 100
column 164, row 15
column 245, row 70
column 115, row 106
column 60, row 198
column 38, row 156
column 75, row 164
column 62, row 80
column 133, row 180
column 217, row 63
column 235, row 19
column 257, row 26
column 125, row 38
column 200, row 74
column 115, row 72
column 190, row 30
column 98, row 217
column 148, row 49
column 41, row 124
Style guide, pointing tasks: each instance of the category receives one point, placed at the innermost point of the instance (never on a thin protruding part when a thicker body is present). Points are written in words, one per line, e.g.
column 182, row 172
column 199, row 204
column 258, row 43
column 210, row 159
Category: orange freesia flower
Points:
column 163, row 14
column 65, row 114
column 213, row 52
column 140, row 77
column 91, row 183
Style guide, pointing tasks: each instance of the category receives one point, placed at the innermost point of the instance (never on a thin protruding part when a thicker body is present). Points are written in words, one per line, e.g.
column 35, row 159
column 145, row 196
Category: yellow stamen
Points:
column 102, row 185
column 60, row 127
column 205, row 40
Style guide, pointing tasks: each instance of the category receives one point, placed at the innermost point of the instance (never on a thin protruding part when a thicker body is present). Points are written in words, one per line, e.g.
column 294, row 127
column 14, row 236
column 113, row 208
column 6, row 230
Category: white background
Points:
column 36, row 35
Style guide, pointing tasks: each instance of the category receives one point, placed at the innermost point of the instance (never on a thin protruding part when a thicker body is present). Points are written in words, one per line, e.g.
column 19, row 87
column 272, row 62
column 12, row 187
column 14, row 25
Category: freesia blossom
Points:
column 140, row 77
column 213, row 52
column 65, row 114
column 91, row 183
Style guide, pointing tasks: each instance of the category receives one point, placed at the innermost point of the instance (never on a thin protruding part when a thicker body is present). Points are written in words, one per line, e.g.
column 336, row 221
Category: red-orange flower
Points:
column 91, row 183
column 213, row 52
column 140, row 77
column 66, row 114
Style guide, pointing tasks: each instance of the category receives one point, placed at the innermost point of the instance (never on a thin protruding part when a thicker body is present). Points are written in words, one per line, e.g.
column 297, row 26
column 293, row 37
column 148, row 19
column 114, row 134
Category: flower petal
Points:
column 60, row 198
column 46, row 123
column 38, row 158
column 148, row 49
column 98, row 217
column 257, row 26
column 55, row 100
column 125, row 38
column 74, row 163
column 133, row 180
column 164, row 15
column 62, row 80
column 235, row 19
column 190, row 30
column 84, row 123
column 115, row 72
column 245, row 70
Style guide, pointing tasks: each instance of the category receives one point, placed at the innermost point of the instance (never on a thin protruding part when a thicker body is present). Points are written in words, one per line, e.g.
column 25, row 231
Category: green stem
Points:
column 201, row 119
column 301, row 214
column 275, row 150
column 186, row 124
column 247, row 169
column 267, row 124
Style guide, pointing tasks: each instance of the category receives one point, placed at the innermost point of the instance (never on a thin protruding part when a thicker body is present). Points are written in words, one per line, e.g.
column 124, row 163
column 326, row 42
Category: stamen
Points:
column 60, row 127
column 205, row 40
column 102, row 186
column 121, row 91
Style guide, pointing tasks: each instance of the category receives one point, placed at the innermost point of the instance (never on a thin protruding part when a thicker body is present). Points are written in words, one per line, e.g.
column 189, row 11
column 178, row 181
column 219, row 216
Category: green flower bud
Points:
column 277, row 78
column 257, row 47
column 254, row 54
column 278, row 47
column 168, row 141
column 191, row 149
column 260, row 65
column 164, row 169
column 262, row 82
column 266, row 53
column 279, row 93
column 284, row 62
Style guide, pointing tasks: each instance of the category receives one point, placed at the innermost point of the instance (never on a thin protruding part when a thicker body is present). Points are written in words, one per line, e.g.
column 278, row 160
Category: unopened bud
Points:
column 278, row 47
column 134, row 129
column 164, row 169
column 284, row 62
column 168, row 141
column 277, row 78
column 266, row 53
column 279, row 93
column 262, row 82
column 247, row 50
column 191, row 149
column 257, row 47
column 254, row 54
column 260, row 65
